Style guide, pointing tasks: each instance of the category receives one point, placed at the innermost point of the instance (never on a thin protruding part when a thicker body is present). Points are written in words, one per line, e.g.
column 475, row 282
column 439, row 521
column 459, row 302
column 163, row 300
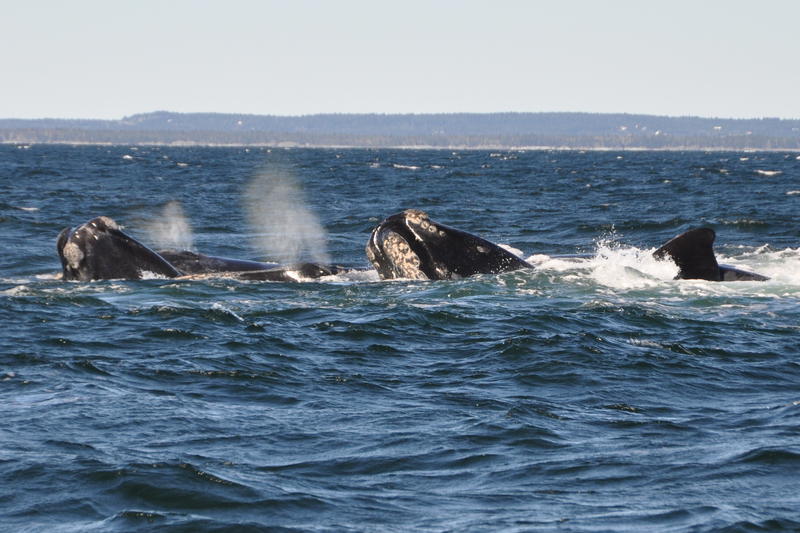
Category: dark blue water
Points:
column 597, row 395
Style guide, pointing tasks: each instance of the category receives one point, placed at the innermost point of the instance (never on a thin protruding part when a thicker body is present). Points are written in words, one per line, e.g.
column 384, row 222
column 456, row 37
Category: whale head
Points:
column 411, row 245
column 98, row 249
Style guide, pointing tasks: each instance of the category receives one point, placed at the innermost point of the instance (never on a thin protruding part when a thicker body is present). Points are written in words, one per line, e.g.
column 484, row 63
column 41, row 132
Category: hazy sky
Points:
column 112, row 58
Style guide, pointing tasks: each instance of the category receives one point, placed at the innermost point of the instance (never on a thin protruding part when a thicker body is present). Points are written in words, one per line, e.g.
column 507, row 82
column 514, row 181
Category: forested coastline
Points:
column 465, row 130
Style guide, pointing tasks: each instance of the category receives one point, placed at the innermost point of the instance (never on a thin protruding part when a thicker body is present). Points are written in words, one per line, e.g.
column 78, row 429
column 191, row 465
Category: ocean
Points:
column 585, row 395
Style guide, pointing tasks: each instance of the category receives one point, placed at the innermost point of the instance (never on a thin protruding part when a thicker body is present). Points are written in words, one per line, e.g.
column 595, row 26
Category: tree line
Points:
column 561, row 130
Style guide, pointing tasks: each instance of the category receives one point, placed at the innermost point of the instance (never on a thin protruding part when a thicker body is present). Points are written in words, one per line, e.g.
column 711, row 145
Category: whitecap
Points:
column 19, row 290
column 219, row 307
column 769, row 173
column 645, row 343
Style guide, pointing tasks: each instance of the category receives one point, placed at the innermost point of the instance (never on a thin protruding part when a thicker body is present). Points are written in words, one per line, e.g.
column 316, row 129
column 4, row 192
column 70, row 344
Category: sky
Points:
column 114, row 58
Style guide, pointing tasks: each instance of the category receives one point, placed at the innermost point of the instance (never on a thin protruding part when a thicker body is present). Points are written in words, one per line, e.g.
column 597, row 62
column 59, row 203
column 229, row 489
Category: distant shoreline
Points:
column 290, row 146
column 457, row 131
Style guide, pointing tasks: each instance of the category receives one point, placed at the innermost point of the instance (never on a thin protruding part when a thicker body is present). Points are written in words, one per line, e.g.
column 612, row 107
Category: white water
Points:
column 622, row 268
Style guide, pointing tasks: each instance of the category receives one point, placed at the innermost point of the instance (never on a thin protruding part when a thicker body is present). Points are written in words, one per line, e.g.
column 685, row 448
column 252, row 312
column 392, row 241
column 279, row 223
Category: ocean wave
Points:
column 769, row 173
column 593, row 393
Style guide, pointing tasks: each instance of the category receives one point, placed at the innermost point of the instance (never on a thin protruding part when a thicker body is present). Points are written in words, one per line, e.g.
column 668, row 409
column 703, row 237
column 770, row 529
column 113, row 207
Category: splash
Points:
column 621, row 268
column 171, row 229
column 626, row 267
column 285, row 228
column 781, row 266
column 612, row 265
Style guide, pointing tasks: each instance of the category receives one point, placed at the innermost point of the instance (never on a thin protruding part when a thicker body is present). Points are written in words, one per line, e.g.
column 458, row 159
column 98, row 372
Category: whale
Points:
column 189, row 262
column 693, row 252
column 100, row 250
column 407, row 245
column 412, row 246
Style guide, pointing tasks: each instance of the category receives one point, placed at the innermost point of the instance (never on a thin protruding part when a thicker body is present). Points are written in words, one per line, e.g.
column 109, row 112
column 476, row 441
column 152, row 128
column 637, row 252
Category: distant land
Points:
column 455, row 130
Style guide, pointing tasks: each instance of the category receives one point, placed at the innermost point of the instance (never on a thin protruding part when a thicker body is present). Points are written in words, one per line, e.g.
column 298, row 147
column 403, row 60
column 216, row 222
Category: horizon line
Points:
column 410, row 114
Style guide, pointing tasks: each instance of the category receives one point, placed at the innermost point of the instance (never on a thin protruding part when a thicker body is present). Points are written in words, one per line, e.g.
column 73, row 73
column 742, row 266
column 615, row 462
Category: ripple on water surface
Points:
column 589, row 394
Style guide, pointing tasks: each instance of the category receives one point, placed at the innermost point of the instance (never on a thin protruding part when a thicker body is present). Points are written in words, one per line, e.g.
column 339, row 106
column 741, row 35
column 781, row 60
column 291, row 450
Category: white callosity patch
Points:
column 108, row 222
column 72, row 254
column 414, row 218
column 405, row 262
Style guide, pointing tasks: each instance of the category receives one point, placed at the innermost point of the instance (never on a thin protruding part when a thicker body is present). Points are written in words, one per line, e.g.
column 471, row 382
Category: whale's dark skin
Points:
column 405, row 245
column 693, row 252
column 194, row 263
column 100, row 250
column 411, row 245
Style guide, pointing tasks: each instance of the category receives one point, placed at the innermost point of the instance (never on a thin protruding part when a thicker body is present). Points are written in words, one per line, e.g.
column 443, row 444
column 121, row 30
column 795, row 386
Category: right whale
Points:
column 693, row 252
column 411, row 245
column 100, row 250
